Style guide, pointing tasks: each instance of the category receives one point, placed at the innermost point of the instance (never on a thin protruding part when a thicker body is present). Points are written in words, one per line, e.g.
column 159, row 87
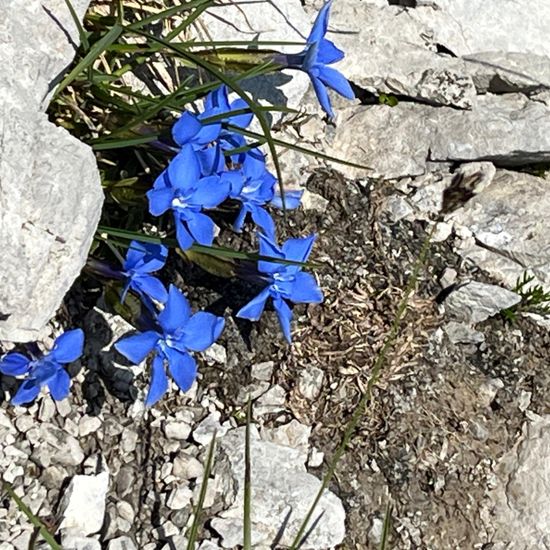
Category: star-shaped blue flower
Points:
column 141, row 260
column 181, row 188
column 286, row 283
column 319, row 53
column 178, row 333
column 44, row 371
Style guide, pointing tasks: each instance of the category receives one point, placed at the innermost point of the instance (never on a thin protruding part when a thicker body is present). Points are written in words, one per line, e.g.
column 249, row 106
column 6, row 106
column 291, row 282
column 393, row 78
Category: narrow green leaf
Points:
column 165, row 14
column 46, row 535
column 373, row 380
column 194, row 529
column 247, row 515
column 81, row 32
column 386, row 527
column 218, row 266
column 95, row 51
column 294, row 147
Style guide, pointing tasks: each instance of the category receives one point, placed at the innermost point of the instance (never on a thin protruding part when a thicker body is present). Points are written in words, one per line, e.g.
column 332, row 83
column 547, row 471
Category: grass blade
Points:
column 46, row 535
column 194, row 529
column 367, row 396
column 247, row 520
column 386, row 527
column 81, row 32
column 95, row 51
column 165, row 14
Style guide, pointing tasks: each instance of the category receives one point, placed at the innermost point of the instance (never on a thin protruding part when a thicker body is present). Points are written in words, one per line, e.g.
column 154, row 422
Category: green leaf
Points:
column 388, row 99
column 386, row 527
column 46, row 535
column 220, row 267
column 130, row 310
column 82, row 34
column 95, row 51
column 165, row 14
column 194, row 529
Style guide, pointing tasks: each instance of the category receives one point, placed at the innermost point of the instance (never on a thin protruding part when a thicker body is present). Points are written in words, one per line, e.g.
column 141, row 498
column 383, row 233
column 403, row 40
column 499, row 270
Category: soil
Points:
column 442, row 415
column 439, row 420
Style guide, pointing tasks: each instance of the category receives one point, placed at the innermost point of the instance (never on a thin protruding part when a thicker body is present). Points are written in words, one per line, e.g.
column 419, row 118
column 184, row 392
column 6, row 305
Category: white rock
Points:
column 314, row 201
column 310, row 382
column 272, row 401
column 509, row 220
column 282, row 493
column 88, row 424
column 521, row 514
column 80, row 543
column 262, row 371
column 294, row 435
column 460, row 333
column 121, row 543
column 204, row 432
column 177, row 430
column 52, row 445
column 179, row 497
column 84, row 493
column 316, row 458
column 125, row 511
column 51, row 194
column 475, row 302
column 216, row 353
column 187, row 467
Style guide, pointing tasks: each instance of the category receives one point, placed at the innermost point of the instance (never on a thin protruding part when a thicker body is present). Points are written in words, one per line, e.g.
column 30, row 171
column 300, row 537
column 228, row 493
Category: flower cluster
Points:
column 213, row 163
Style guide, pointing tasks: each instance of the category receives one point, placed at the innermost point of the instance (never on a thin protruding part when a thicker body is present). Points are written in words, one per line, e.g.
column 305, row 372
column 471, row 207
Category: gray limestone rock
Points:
column 475, row 302
column 521, row 499
column 85, row 493
column 50, row 195
column 509, row 224
column 282, row 492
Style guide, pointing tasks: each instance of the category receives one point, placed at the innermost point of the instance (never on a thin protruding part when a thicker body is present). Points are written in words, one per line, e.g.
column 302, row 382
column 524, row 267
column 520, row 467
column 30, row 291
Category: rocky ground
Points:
column 456, row 442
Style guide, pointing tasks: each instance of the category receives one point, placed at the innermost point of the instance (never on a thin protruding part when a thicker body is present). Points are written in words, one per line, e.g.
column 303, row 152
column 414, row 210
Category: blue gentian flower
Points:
column 191, row 128
column 44, row 371
column 254, row 186
column 178, row 333
column 210, row 139
column 286, row 282
column 182, row 189
column 141, row 260
column 319, row 53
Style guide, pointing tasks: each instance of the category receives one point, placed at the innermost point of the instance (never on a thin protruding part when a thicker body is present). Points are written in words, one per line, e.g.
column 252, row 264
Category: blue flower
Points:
column 182, row 189
column 319, row 53
column 141, row 260
column 44, row 371
column 254, row 186
column 211, row 139
column 287, row 283
column 190, row 128
column 178, row 333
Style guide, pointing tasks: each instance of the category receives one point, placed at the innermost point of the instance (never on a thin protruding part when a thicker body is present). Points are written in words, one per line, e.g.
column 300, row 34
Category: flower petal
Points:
column 298, row 250
column 263, row 220
column 185, row 240
column 68, row 347
column 59, row 385
column 211, row 159
column 217, row 100
column 201, row 227
column 293, row 198
column 243, row 120
column 176, row 312
column 184, row 169
column 284, row 313
column 268, row 247
column 136, row 348
column 305, row 289
column 208, row 132
column 239, row 221
column 328, row 53
column 320, row 25
column 210, row 192
column 254, row 309
column 337, row 81
column 160, row 200
column 26, row 393
column 186, row 128
column 150, row 286
column 202, row 330
column 322, row 95
column 159, row 381
column 145, row 257
column 183, row 368
column 14, row 364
